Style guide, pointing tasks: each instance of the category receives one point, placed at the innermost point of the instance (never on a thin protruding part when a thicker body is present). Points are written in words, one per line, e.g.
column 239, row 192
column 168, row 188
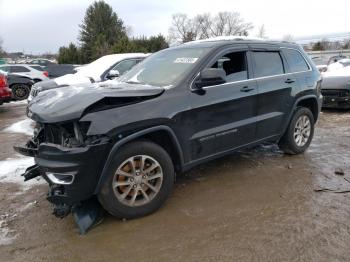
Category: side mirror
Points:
column 210, row 77
column 113, row 74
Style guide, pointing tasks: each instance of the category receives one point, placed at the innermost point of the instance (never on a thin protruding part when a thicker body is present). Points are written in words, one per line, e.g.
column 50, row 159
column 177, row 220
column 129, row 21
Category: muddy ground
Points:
column 257, row 205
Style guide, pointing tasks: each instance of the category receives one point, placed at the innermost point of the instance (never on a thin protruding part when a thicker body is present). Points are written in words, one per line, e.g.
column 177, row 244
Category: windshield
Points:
column 164, row 68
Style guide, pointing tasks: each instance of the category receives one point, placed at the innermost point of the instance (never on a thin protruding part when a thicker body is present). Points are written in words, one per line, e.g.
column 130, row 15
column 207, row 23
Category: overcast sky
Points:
column 37, row 26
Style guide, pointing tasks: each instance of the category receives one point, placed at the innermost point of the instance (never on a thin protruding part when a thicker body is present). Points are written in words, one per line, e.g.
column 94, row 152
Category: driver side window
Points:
column 235, row 66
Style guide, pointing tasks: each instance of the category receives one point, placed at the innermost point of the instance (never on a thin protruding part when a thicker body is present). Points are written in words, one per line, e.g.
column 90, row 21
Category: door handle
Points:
column 289, row 81
column 246, row 89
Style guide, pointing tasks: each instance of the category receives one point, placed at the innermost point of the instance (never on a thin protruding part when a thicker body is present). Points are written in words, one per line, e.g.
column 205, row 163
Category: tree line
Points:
column 102, row 32
column 328, row 45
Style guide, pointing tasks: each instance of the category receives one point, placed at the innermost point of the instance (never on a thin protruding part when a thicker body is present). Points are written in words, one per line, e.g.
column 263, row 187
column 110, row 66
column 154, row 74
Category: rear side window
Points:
column 268, row 64
column 18, row 69
column 235, row 66
column 295, row 60
column 37, row 67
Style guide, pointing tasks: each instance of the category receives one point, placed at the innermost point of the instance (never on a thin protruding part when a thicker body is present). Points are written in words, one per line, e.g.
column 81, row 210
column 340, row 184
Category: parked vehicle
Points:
column 336, row 88
column 123, row 141
column 104, row 68
column 41, row 61
column 20, row 86
column 5, row 91
column 35, row 72
column 58, row 70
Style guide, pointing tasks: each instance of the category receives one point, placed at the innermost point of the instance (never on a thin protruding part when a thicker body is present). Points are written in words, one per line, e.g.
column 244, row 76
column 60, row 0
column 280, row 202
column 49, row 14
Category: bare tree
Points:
column 2, row 52
column 261, row 32
column 184, row 29
column 288, row 38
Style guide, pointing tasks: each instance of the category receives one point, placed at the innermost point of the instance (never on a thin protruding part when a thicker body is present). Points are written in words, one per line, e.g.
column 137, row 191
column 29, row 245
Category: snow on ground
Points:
column 7, row 236
column 22, row 127
column 12, row 168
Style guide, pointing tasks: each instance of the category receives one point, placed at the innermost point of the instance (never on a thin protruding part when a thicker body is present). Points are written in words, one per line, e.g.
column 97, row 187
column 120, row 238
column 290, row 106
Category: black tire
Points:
column 109, row 200
column 288, row 143
column 20, row 91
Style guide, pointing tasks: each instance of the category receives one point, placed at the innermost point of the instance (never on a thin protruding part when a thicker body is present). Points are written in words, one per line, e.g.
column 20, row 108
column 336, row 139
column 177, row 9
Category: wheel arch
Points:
column 308, row 101
column 160, row 135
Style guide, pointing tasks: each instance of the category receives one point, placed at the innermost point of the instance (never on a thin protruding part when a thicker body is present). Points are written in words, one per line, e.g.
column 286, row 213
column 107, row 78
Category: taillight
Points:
column 3, row 81
column 46, row 73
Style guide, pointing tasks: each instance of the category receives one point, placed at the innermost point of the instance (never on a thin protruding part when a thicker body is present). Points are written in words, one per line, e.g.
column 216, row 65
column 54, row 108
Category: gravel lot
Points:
column 256, row 205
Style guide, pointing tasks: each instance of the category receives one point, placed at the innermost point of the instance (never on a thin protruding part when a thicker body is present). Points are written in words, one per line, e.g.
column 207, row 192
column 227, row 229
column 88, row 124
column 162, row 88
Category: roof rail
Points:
column 226, row 38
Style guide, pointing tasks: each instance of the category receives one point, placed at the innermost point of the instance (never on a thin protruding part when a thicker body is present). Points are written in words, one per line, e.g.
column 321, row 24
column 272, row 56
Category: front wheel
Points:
column 299, row 133
column 139, row 180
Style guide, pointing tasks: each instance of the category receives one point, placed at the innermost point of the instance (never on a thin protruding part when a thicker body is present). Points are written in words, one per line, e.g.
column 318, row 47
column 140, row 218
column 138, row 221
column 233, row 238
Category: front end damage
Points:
column 71, row 162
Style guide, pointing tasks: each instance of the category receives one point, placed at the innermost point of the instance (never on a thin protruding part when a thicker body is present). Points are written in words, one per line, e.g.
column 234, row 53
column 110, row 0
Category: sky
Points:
column 39, row 26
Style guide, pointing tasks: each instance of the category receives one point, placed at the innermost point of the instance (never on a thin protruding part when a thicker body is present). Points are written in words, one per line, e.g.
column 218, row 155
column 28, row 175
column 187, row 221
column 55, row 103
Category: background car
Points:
column 41, row 62
column 104, row 68
column 5, row 91
column 35, row 72
column 336, row 88
column 19, row 85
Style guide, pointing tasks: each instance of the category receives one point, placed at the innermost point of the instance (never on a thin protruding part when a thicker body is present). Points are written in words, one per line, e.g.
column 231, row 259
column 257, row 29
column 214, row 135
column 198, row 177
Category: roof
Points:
column 223, row 40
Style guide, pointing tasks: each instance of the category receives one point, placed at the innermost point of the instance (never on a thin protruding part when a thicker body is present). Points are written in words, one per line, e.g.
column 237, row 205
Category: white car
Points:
column 102, row 69
column 35, row 72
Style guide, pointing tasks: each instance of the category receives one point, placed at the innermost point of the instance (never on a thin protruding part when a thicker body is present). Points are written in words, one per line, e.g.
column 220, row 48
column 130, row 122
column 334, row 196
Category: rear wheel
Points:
column 20, row 91
column 139, row 180
column 299, row 133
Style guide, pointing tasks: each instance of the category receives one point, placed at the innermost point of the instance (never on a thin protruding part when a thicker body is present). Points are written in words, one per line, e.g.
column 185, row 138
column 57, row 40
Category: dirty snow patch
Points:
column 6, row 235
column 22, row 127
column 12, row 168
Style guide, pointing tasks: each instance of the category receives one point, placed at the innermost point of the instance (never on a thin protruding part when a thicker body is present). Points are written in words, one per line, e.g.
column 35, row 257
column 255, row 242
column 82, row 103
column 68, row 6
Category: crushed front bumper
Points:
column 72, row 173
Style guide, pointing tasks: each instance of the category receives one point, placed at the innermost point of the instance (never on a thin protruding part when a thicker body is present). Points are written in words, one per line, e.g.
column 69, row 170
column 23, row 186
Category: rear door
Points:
column 275, row 90
column 223, row 116
column 298, row 66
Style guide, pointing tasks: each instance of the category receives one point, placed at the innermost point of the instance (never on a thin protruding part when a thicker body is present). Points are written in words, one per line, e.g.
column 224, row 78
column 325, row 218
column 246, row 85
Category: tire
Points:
column 290, row 143
column 20, row 91
column 111, row 196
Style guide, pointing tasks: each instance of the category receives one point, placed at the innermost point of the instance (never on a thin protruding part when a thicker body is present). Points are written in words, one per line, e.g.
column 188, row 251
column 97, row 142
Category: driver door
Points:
column 224, row 116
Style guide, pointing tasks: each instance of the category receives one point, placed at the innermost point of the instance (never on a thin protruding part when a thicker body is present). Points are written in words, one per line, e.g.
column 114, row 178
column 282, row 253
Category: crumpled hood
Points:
column 68, row 103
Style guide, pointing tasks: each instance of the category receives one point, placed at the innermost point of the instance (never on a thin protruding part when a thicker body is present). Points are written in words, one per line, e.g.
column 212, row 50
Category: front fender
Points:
column 131, row 137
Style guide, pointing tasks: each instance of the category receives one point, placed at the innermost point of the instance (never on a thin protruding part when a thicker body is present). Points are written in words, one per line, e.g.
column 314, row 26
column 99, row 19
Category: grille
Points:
column 335, row 92
column 34, row 92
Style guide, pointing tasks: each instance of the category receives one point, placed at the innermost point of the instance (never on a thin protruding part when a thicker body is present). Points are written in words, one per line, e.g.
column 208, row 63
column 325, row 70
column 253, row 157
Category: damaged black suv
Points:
column 122, row 142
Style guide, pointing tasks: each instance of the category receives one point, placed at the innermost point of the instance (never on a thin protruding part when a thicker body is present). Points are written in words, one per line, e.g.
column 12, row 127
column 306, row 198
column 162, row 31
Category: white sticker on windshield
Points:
column 186, row 60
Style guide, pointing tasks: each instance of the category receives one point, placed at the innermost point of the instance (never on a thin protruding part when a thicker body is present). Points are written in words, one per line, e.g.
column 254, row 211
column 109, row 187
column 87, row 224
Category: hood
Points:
column 339, row 79
column 70, row 102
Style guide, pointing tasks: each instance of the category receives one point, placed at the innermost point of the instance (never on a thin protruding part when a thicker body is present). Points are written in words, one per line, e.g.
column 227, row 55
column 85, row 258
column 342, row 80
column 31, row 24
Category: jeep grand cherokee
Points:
column 123, row 141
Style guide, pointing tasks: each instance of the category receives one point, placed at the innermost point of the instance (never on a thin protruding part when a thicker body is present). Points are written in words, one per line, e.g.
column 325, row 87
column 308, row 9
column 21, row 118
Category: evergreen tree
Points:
column 68, row 55
column 100, row 30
